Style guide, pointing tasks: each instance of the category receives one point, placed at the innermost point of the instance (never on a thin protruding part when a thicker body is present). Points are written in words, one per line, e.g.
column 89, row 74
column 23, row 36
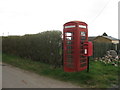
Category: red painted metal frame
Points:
column 77, row 46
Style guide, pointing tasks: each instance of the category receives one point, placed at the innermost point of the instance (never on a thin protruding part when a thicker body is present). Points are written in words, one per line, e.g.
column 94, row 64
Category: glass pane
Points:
column 69, row 56
column 83, row 60
column 82, row 65
column 69, row 51
column 83, row 33
column 70, row 60
column 68, row 34
column 70, row 65
column 82, row 51
column 81, row 46
column 69, row 42
column 83, row 38
column 68, row 38
column 81, row 56
column 69, row 47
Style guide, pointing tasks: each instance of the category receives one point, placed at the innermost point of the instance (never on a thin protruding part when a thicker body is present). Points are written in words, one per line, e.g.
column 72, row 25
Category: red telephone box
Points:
column 76, row 47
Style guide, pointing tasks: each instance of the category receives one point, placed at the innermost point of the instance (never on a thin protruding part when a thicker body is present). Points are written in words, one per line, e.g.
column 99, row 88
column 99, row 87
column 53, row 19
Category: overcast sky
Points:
column 19, row 17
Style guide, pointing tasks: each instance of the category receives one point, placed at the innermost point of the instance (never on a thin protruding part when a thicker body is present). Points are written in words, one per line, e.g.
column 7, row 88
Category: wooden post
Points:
column 88, row 65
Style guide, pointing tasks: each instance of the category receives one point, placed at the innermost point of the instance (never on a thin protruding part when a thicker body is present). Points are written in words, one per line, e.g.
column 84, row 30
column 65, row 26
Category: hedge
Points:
column 45, row 47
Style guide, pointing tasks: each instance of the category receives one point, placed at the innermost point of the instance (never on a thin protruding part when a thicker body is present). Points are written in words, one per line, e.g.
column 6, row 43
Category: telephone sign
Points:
column 76, row 46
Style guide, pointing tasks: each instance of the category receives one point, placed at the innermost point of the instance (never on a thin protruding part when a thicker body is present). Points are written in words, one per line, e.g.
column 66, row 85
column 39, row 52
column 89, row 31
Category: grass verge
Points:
column 100, row 75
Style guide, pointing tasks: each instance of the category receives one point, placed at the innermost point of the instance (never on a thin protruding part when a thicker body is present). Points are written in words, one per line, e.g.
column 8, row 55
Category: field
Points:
column 99, row 76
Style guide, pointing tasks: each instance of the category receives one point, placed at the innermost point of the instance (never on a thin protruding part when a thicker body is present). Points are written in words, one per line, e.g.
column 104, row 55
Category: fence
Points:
column 99, row 49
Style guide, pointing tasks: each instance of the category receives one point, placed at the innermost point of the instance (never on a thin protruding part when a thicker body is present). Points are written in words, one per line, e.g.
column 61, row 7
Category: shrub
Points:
column 44, row 47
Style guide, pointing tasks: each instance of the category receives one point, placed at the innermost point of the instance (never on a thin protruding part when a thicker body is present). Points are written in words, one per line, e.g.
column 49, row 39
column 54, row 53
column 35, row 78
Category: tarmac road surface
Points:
column 13, row 77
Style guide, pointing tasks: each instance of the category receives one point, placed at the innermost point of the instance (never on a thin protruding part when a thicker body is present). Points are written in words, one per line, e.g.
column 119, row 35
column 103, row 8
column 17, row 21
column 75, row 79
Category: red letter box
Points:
column 88, row 47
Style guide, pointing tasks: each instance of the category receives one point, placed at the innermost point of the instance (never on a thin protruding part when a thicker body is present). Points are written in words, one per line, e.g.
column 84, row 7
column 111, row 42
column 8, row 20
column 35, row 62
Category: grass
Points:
column 100, row 75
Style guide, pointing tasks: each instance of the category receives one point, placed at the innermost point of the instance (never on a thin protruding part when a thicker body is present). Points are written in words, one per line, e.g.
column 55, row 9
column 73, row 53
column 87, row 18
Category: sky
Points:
column 20, row 17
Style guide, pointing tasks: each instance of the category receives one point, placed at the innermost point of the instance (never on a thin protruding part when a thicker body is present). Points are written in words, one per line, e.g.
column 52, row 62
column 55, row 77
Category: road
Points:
column 13, row 77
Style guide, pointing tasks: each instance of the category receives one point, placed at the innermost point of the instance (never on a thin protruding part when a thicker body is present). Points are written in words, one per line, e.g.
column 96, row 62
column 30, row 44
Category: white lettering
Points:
column 81, row 26
column 72, row 26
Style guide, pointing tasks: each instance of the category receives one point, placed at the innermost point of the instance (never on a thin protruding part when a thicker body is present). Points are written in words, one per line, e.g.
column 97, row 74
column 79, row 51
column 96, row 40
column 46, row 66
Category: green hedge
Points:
column 45, row 47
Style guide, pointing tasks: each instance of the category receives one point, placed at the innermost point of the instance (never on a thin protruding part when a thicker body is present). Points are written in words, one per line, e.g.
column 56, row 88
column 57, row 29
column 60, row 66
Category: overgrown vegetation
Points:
column 100, row 75
column 45, row 47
